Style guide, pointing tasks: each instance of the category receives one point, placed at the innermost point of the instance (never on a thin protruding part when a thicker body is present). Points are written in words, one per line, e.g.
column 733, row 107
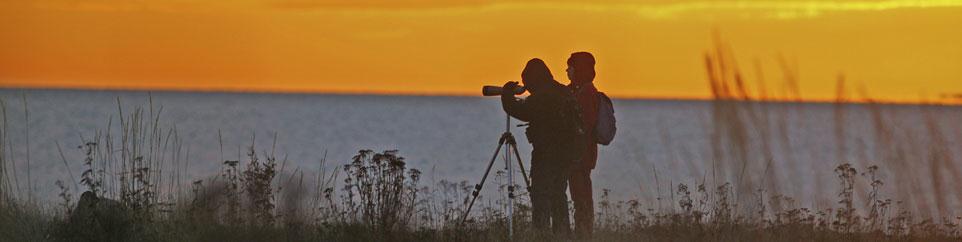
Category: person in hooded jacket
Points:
column 554, row 129
column 581, row 72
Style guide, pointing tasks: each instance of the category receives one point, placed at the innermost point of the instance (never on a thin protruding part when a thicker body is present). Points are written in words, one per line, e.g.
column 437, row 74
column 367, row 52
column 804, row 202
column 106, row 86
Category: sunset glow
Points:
column 895, row 50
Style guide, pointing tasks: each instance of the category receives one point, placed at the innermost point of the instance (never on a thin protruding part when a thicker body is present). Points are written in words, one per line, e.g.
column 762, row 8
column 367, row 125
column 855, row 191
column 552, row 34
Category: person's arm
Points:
column 515, row 107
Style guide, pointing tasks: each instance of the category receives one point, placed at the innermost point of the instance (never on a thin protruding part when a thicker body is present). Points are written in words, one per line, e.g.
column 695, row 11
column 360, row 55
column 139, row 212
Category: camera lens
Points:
column 496, row 90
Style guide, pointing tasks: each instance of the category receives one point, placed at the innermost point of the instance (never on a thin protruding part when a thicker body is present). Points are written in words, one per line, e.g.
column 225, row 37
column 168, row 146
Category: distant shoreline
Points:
column 363, row 94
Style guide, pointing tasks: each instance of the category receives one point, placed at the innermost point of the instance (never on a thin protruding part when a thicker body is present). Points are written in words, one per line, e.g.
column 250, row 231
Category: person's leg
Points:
column 581, row 196
column 538, row 193
column 560, row 223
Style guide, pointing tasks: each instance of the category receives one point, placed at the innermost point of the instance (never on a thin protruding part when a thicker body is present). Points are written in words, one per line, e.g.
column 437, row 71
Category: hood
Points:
column 536, row 75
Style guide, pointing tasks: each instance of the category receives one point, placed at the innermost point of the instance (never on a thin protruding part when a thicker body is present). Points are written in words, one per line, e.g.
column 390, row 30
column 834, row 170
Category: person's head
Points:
column 581, row 67
column 536, row 75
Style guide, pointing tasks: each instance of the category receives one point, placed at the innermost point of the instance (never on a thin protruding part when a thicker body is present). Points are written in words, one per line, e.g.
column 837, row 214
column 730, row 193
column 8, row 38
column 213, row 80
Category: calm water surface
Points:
column 659, row 145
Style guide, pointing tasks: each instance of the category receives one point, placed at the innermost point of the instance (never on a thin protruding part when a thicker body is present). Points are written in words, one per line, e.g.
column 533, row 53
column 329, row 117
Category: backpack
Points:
column 574, row 127
column 606, row 120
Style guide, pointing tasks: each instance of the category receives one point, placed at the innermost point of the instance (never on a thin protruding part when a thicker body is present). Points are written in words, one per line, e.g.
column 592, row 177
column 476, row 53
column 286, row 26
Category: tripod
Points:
column 510, row 146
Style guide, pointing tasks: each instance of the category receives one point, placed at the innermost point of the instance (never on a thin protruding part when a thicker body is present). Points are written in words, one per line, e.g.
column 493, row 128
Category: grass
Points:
column 135, row 166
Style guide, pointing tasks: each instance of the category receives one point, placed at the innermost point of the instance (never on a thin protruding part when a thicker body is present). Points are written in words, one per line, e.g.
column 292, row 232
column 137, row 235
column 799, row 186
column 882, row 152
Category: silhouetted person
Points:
column 581, row 72
column 554, row 127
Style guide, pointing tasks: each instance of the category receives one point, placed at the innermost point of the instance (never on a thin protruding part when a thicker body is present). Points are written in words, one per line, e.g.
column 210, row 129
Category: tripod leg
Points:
column 477, row 187
column 524, row 174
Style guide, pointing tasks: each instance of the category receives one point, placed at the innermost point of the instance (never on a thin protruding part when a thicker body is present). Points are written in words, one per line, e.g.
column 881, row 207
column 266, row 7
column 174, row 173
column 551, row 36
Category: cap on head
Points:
column 584, row 64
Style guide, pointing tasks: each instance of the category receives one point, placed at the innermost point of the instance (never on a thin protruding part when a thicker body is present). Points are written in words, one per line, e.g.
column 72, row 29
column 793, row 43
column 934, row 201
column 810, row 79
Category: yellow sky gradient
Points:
column 897, row 50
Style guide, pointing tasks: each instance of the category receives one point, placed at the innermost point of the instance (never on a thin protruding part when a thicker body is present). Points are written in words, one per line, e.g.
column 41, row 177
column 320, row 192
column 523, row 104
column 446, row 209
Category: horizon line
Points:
column 956, row 101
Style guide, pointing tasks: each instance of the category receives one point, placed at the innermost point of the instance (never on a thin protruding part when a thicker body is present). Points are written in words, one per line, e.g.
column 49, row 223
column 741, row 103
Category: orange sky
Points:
column 899, row 50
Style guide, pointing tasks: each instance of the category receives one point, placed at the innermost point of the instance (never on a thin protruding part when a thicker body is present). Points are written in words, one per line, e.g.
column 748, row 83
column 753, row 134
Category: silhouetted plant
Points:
column 257, row 180
column 384, row 193
column 89, row 178
column 845, row 217
column 66, row 198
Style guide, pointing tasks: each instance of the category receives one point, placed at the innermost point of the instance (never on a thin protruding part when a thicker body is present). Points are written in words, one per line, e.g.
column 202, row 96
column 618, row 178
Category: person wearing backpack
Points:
column 598, row 124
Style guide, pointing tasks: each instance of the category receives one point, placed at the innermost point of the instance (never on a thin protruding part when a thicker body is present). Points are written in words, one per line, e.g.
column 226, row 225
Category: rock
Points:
column 99, row 219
